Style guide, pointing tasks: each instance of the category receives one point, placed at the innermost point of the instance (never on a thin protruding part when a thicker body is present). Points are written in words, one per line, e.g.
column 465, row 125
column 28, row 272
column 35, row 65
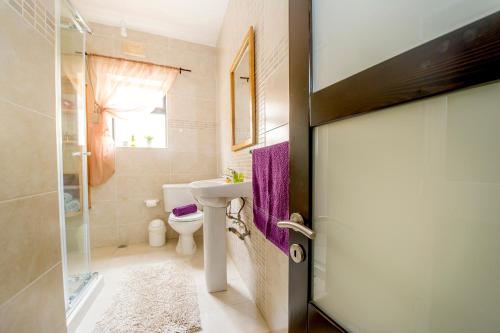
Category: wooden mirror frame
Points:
column 248, row 42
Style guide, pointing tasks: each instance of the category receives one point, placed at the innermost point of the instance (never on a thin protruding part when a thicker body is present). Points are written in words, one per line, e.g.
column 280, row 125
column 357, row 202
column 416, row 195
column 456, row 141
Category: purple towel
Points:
column 185, row 210
column 270, row 192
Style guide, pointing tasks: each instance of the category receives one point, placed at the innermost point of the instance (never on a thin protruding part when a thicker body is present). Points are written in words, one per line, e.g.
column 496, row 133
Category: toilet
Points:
column 175, row 195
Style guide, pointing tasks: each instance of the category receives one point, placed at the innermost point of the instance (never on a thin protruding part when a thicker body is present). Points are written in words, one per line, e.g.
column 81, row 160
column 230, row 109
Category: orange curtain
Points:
column 111, row 82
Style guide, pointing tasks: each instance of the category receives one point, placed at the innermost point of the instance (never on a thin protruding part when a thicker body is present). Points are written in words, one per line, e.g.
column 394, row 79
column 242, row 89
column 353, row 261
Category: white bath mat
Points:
column 158, row 298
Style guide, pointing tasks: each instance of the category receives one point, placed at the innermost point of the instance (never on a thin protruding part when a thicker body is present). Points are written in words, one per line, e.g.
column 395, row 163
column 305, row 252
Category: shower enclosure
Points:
column 72, row 146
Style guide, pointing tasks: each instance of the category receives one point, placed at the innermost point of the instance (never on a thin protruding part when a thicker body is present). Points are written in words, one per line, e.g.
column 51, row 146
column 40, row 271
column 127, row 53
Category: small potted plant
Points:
column 149, row 139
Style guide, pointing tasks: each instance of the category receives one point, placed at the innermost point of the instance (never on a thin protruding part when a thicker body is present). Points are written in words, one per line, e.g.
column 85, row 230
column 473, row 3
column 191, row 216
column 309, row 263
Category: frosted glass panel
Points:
column 352, row 35
column 76, row 260
column 407, row 211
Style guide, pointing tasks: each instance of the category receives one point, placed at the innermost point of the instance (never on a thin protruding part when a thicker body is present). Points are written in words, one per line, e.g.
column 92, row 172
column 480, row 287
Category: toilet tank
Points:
column 175, row 195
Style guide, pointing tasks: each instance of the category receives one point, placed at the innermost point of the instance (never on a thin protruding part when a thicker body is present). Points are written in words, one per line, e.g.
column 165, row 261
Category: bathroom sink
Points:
column 217, row 193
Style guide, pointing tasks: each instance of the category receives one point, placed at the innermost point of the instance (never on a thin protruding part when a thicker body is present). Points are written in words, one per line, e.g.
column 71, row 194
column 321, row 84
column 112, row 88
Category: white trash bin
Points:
column 157, row 231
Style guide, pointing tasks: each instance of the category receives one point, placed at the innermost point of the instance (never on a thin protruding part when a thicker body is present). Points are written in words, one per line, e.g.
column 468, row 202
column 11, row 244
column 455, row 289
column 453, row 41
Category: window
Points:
column 133, row 94
column 145, row 128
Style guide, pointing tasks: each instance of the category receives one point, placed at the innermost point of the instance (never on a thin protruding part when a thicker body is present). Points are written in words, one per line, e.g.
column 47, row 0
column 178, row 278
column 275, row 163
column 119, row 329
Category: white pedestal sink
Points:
column 214, row 195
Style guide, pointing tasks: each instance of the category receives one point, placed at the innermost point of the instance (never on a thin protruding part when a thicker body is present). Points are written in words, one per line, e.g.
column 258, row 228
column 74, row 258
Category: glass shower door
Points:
column 74, row 155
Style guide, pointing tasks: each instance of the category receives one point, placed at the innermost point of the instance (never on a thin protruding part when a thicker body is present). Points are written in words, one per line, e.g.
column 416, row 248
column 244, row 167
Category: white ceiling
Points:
column 196, row 21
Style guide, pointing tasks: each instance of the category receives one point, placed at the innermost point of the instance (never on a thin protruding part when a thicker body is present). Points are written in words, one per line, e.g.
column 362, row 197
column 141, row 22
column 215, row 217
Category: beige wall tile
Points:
column 30, row 241
column 276, row 23
column 173, row 56
column 104, row 192
column 142, row 160
column 206, row 140
column 24, row 80
column 277, row 135
column 104, row 236
column 103, row 45
column 134, row 211
column 140, row 186
column 38, row 308
column 103, row 213
column 185, row 178
column 191, row 140
column 194, row 85
column 194, row 163
column 133, row 233
column 181, row 139
column 277, row 98
column 178, row 45
column 276, row 305
column 156, row 53
column 147, row 38
column 185, row 108
column 28, row 162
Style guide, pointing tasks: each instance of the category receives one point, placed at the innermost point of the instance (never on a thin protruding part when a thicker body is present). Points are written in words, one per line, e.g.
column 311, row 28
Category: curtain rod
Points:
column 180, row 69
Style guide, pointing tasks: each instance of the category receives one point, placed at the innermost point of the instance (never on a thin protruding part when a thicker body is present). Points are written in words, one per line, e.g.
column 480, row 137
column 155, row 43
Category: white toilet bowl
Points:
column 186, row 226
column 176, row 195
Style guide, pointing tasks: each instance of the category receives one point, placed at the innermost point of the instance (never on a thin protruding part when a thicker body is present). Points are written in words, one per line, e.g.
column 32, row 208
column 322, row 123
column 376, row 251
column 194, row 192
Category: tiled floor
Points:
column 231, row 311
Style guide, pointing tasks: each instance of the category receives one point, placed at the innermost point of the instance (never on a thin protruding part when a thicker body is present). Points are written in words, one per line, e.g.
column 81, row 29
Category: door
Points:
column 73, row 143
column 400, row 206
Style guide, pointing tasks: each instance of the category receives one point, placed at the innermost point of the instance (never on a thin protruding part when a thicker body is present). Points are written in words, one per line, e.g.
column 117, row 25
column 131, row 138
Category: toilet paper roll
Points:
column 151, row 202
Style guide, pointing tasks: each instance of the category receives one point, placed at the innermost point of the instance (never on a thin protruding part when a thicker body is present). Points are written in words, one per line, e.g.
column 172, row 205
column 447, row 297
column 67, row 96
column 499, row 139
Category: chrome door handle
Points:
column 296, row 223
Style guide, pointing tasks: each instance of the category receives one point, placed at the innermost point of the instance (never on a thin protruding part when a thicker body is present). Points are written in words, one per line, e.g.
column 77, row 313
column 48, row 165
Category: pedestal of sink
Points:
column 214, row 245
column 214, row 195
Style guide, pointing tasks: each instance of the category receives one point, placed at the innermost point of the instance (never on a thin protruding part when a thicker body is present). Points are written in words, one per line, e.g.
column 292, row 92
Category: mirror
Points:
column 242, row 78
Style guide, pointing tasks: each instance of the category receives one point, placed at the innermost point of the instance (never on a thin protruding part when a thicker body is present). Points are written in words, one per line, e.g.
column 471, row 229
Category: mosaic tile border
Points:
column 37, row 16
column 190, row 124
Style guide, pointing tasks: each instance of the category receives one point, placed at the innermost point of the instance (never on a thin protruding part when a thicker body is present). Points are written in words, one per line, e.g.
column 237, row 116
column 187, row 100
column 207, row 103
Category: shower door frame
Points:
column 467, row 63
column 84, row 184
